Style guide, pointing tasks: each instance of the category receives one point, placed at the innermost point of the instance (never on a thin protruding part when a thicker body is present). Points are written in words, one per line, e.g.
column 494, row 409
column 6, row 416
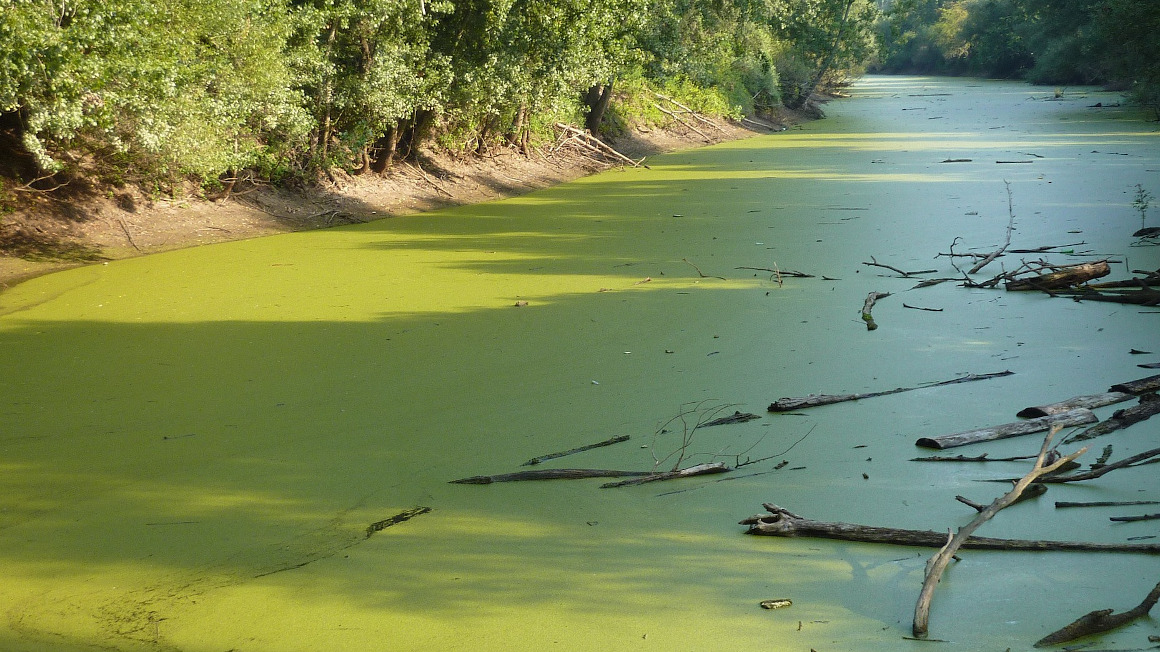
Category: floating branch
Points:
column 1060, row 504
column 1076, row 417
column 580, row 449
column 549, row 474
column 874, row 263
column 736, row 417
column 1034, row 491
column 907, row 305
column 1148, row 406
column 814, row 400
column 939, row 562
column 780, row 272
column 1010, row 227
column 1095, row 473
column 700, row 469
column 781, row 523
column 407, row 515
column 1100, row 621
column 1091, row 402
column 699, row 272
column 868, row 305
column 977, row 458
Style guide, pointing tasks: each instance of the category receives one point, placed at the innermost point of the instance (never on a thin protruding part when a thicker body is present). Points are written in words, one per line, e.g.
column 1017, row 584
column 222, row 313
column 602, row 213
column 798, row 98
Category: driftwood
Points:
column 549, row 474
column 736, row 417
column 1090, row 402
column 1100, row 621
column 1010, row 227
column 1034, row 491
column 579, row 449
column 406, row 515
column 593, row 143
column 1062, row 277
column 939, row 562
column 1142, row 297
column 1076, row 417
column 1104, row 503
column 1141, row 386
column 700, row 469
column 782, row 523
column 1132, row 519
column 874, row 263
column 814, row 400
column 1148, row 406
column 1103, row 470
column 977, row 458
column 868, row 305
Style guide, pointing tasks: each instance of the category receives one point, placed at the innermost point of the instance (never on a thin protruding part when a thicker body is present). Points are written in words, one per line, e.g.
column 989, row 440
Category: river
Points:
column 193, row 444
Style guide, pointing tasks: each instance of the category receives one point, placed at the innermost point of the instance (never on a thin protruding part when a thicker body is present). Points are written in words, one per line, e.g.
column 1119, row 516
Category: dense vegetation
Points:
column 204, row 89
column 1059, row 42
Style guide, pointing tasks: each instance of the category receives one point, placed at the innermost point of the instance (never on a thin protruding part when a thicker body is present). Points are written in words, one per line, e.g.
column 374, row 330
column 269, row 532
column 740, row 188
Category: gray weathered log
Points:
column 1103, row 620
column 1090, row 402
column 1063, row 277
column 1141, row 386
column 1148, row 406
column 781, row 523
column 1104, row 503
column 1076, row 417
column 814, row 400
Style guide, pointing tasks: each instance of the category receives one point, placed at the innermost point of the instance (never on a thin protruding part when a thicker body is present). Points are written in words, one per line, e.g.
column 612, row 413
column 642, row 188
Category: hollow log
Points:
column 1148, row 406
column 781, row 523
column 1100, row 621
column 1090, row 402
column 1076, row 417
column 1063, row 277
column 814, row 400
column 1141, row 386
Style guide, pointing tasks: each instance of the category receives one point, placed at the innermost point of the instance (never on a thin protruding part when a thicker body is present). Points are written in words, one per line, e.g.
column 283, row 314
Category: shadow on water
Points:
column 193, row 444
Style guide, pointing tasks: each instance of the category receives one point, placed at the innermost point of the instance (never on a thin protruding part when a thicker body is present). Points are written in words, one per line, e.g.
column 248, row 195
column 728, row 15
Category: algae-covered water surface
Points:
column 193, row 444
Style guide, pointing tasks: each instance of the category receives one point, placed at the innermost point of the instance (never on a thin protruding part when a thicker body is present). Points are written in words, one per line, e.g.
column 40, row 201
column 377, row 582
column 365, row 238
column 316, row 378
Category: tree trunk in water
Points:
column 598, row 97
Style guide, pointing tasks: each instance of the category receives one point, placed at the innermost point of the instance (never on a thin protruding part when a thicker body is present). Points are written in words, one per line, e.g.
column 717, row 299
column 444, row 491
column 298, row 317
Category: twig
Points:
column 814, row 400
column 699, row 469
column 1010, row 227
column 907, row 305
column 942, row 558
column 128, row 236
column 779, row 272
column 875, row 263
column 699, row 272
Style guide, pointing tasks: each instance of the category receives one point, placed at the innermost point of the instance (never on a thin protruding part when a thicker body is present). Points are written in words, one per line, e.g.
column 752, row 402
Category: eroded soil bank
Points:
column 195, row 443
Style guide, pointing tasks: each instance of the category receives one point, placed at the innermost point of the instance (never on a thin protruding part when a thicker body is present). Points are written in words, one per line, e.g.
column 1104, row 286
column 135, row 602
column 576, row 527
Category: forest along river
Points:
column 193, row 444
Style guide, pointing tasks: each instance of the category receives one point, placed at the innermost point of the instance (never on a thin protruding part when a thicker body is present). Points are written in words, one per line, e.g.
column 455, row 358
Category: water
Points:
column 193, row 443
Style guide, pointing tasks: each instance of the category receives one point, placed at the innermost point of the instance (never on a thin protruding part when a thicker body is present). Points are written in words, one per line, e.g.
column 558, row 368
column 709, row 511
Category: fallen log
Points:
column 700, row 469
column 814, row 400
column 781, row 523
column 1132, row 519
column 1148, row 406
column 1090, row 402
column 1076, row 417
column 549, row 474
column 1063, row 277
column 578, row 449
column 1100, row 621
column 868, row 305
column 1104, row 503
column 977, row 458
column 1141, row 386
column 1142, row 297
column 938, row 563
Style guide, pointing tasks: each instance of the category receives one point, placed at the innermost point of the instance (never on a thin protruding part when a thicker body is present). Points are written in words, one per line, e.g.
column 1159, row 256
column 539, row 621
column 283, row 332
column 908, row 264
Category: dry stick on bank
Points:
column 1095, row 622
column 783, row 523
column 1076, row 417
column 868, row 305
column 594, row 143
column 814, row 400
column 691, row 112
column 683, row 123
column 939, row 562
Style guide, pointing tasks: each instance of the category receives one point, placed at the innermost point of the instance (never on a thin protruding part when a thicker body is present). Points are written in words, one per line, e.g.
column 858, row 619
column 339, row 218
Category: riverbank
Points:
column 48, row 233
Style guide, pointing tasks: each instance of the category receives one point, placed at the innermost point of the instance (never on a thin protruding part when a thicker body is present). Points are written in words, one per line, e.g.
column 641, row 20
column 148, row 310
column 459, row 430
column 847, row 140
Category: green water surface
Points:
column 193, row 444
